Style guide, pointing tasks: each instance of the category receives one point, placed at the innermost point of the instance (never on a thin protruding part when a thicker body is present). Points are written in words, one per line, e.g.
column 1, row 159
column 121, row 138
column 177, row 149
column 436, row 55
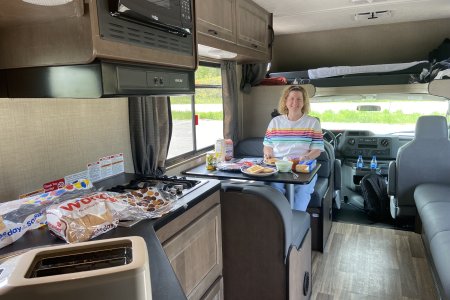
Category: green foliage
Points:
column 208, row 75
column 202, row 96
column 187, row 115
column 382, row 117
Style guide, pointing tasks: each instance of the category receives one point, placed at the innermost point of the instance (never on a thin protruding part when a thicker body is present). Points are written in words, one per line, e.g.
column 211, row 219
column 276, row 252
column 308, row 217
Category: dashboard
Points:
column 367, row 144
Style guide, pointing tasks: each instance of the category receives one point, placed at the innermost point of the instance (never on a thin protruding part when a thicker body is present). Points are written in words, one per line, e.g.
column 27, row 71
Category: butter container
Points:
column 306, row 166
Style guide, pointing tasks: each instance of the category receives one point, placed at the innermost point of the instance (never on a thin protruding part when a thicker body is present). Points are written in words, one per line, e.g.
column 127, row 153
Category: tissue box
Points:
column 306, row 166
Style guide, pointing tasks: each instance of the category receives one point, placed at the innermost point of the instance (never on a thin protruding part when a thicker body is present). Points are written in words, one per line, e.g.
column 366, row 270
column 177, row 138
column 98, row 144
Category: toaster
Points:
column 102, row 270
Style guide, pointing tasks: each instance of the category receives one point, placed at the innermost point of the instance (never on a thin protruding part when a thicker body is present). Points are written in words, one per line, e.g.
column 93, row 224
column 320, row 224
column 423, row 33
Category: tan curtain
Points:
column 230, row 101
column 150, row 133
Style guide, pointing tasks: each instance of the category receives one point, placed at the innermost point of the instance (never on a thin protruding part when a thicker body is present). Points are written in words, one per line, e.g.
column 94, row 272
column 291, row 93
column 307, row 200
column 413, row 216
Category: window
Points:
column 378, row 113
column 198, row 119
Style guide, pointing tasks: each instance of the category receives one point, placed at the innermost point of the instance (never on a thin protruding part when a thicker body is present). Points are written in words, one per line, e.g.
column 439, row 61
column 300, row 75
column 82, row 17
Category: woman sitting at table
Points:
column 294, row 134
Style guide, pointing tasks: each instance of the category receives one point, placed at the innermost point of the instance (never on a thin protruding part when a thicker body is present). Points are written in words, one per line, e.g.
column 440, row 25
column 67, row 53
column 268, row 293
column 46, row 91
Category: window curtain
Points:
column 230, row 101
column 252, row 74
column 150, row 133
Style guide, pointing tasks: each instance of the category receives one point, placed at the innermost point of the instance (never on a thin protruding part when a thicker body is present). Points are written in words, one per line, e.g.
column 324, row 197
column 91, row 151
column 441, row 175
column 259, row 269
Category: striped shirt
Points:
column 293, row 138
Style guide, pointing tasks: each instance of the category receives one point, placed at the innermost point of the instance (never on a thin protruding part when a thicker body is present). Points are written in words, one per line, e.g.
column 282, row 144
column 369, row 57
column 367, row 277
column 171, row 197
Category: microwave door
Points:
column 162, row 13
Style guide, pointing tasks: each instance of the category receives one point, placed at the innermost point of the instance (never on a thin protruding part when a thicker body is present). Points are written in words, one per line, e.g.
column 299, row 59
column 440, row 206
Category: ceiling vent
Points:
column 382, row 14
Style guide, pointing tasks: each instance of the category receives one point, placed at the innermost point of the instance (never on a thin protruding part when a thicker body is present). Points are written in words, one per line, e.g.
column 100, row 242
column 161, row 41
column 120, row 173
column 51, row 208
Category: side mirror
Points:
column 368, row 108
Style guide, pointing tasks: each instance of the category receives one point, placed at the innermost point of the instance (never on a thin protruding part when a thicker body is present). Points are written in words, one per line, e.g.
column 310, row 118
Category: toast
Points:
column 270, row 161
column 255, row 169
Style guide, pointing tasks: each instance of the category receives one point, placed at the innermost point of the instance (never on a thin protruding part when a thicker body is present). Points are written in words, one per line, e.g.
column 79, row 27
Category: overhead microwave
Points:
column 171, row 15
column 156, row 32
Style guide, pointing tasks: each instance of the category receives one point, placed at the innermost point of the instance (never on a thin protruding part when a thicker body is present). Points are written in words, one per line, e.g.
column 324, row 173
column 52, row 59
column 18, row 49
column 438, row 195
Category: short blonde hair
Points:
column 282, row 108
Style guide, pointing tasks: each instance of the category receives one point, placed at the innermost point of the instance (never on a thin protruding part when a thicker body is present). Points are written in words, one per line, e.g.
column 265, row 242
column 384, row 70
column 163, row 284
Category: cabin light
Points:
column 47, row 2
column 372, row 15
column 215, row 53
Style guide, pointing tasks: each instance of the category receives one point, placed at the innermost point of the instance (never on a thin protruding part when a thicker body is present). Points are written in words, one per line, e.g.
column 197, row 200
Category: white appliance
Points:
column 102, row 270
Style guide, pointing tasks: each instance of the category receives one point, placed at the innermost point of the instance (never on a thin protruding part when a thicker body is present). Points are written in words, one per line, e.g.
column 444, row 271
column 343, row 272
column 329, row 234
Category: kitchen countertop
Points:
column 164, row 282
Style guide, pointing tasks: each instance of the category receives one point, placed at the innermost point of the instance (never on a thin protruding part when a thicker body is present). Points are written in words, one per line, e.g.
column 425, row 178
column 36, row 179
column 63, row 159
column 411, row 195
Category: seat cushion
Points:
column 431, row 193
column 319, row 192
column 300, row 224
column 435, row 218
column 441, row 257
column 250, row 147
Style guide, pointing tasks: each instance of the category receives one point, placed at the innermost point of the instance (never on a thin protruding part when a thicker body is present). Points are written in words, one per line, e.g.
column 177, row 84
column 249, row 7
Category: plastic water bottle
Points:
column 373, row 163
column 360, row 162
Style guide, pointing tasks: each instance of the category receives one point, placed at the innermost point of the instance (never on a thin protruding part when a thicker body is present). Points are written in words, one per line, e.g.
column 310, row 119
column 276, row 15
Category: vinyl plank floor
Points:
column 367, row 262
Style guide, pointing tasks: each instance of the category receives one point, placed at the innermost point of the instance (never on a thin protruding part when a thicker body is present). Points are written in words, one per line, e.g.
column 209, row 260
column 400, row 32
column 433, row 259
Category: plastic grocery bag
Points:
column 19, row 216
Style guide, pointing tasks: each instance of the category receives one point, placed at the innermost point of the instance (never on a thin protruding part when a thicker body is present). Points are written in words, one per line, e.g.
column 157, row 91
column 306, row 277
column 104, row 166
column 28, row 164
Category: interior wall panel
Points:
column 47, row 139
column 381, row 44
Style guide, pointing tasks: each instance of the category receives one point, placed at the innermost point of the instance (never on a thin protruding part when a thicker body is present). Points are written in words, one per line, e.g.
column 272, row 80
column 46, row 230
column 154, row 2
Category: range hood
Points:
column 96, row 80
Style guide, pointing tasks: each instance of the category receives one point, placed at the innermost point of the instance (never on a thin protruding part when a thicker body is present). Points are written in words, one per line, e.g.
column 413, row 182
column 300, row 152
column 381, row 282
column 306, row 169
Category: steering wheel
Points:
column 329, row 136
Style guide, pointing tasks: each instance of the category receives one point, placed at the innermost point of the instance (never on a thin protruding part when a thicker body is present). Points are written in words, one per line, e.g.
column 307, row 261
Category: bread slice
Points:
column 255, row 169
column 268, row 170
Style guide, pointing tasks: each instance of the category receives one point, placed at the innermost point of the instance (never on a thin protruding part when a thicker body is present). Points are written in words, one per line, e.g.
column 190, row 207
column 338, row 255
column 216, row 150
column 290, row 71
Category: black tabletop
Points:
column 303, row 178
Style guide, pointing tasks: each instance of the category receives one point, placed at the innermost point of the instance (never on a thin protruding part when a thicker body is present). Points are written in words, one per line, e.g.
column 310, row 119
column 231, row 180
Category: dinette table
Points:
column 286, row 177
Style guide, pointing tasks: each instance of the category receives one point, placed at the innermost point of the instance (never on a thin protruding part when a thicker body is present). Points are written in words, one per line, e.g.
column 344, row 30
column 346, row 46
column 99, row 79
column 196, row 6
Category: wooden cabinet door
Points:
column 195, row 253
column 215, row 292
column 217, row 18
column 252, row 25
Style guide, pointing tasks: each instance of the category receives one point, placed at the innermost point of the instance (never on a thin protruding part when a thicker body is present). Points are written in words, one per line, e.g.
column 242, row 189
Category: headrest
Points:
column 431, row 127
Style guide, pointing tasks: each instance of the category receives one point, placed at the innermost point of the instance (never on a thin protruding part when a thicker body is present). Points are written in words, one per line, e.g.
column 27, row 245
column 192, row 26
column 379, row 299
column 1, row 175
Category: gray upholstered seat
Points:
column 328, row 185
column 423, row 160
column 265, row 244
column 433, row 205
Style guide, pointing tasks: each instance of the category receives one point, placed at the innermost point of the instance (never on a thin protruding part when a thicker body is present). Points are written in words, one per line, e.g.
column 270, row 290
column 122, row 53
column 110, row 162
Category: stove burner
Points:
column 176, row 186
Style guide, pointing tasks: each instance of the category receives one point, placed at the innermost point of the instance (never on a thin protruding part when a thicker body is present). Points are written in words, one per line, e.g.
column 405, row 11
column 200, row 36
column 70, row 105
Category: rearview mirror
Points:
column 368, row 108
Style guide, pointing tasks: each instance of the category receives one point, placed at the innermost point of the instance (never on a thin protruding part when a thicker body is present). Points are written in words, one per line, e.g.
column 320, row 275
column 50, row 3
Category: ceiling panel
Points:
column 294, row 16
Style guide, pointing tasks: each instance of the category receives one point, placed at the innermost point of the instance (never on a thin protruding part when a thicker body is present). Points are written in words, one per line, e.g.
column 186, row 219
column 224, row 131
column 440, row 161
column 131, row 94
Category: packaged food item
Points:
column 25, row 214
column 228, row 149
column 306, row 166
column 220, row 150
column 210, row 160
column 83, row 218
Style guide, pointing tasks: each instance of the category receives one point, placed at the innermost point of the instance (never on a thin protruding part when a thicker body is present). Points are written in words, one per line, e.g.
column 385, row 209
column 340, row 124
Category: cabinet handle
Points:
column 212, row 31
column 272, row 35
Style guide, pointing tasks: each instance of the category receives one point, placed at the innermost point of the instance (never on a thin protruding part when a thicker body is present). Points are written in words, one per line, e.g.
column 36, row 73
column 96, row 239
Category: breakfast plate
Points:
column 270, row 161
column 258, row 171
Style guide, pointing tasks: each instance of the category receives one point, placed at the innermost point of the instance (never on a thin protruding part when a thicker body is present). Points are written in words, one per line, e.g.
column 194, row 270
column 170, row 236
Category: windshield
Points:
column 378, row 113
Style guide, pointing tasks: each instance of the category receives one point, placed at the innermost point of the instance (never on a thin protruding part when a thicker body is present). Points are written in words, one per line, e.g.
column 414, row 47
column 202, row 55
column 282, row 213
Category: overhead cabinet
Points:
column 252, row 26
column 237, row 26
column 217, row 18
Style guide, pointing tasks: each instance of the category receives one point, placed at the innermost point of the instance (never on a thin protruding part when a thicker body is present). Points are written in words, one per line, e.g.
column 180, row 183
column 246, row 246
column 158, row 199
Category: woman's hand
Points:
column 268, row 152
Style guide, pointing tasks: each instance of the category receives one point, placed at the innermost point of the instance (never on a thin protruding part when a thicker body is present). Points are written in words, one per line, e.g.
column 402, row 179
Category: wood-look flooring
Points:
column 366, row 262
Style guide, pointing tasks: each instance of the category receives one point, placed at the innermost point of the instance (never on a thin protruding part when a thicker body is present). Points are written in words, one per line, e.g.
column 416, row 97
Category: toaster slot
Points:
column 79, row 260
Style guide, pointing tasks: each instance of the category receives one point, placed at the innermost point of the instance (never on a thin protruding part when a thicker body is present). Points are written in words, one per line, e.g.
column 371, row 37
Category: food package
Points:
column 306, row 166
column 229, row 149
column 19, row 216
column 146, row 203
column 83, row 218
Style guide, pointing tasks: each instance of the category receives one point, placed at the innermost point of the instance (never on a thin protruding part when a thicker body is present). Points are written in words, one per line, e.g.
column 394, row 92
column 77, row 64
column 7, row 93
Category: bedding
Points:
column 401, row 73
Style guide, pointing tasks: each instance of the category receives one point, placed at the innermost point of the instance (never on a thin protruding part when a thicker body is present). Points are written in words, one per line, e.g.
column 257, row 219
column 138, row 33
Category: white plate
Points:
column 269, row 164
column 244, row 170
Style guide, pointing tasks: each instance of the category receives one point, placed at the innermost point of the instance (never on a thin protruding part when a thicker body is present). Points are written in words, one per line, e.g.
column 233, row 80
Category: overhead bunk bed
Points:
column 383, row 74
